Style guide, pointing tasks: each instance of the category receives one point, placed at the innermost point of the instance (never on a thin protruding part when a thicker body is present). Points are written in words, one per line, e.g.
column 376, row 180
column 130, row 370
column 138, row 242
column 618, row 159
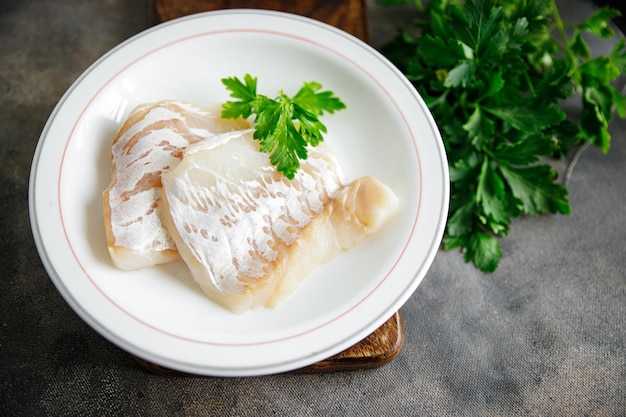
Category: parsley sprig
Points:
column 284, row 126
column 495, row 73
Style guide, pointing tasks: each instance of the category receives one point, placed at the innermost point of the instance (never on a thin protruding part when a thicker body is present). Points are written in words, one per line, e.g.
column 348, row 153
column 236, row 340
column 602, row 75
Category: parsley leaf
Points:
column 284, row 126
column 245, row 92
column 494, row 74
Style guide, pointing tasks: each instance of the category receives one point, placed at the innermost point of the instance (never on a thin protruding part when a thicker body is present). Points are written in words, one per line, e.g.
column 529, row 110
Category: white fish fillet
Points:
column 248, row 234
column 150, row 142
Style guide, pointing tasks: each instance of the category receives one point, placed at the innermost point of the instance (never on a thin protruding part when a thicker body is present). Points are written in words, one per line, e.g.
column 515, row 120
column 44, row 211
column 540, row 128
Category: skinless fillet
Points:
column 248, row 234
column 150, row 142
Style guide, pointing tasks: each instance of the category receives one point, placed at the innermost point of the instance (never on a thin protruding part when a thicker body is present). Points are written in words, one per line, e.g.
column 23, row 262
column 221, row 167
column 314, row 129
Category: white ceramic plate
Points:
column 159, row 314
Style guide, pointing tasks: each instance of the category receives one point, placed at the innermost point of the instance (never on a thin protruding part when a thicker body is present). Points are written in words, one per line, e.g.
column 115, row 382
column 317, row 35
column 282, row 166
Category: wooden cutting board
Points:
column 349, row 15
column 376, row 350
column 384, row 344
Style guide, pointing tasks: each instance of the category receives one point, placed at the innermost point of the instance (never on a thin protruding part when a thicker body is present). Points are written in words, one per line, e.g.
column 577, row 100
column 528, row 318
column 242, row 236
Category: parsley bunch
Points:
column 494, row 75
column 284, row 126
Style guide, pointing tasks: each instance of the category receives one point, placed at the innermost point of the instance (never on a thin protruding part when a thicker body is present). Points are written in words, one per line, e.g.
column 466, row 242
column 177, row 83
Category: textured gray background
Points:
column 544, row 335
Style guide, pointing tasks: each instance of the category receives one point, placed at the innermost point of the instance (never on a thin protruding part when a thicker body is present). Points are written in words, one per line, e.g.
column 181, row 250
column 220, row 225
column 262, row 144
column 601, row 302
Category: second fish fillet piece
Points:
column 248, row 234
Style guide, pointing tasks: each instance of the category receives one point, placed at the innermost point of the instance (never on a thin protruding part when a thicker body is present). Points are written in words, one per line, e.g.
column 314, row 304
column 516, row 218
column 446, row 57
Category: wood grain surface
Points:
column 349, row 15
column 376, row 350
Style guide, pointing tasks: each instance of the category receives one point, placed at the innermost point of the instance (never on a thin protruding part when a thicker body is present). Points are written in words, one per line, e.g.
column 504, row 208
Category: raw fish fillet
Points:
column 248, row 234
column 150, row 142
